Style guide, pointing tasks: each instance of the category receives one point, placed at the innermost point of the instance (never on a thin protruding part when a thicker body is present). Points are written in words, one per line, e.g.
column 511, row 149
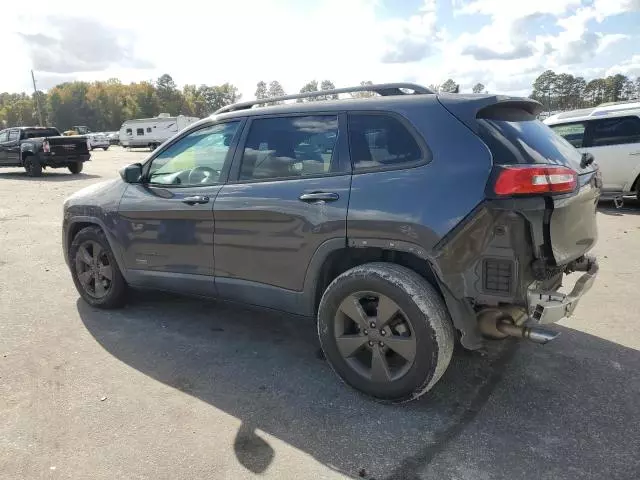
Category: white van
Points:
column 151, row 132
column 611, row 133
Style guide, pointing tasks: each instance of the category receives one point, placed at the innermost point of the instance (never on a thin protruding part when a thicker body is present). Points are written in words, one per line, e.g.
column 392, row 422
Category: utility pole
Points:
column 37, row 99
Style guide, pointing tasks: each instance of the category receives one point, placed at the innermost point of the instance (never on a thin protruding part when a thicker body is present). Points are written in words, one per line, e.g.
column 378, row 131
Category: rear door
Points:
column 289, row 195
column 615, row 145
column 515, row 137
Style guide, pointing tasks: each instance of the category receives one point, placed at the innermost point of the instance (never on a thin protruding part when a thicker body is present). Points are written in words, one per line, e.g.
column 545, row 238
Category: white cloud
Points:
column 413, row 39
column 631, row 67
column 245, row 41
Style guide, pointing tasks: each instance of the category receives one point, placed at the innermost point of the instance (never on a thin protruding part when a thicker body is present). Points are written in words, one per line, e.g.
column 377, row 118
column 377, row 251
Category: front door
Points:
column 290, row 195
column 166, row 222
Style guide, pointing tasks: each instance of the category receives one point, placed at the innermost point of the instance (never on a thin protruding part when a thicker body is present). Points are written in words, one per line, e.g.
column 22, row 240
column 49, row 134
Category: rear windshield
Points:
column 40, row 132
column 517, row 137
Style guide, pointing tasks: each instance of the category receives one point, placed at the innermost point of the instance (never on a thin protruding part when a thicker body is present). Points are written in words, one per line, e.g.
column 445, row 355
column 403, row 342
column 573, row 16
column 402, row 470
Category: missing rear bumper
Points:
column 551, row 307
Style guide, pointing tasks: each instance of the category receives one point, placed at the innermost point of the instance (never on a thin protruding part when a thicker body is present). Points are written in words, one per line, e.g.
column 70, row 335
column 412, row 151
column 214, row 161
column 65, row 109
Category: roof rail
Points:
column 383, row 89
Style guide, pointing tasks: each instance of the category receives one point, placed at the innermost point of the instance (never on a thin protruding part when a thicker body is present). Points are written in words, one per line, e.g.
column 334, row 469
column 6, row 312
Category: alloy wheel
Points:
column 93, row 269
column 374, row 336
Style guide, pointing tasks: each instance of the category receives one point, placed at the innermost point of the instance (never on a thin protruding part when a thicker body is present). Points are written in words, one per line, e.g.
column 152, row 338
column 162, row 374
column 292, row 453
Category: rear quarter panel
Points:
column 421, row 205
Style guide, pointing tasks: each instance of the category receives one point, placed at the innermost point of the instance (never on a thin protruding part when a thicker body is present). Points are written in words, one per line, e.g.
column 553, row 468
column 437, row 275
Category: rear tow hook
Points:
column 533, row 334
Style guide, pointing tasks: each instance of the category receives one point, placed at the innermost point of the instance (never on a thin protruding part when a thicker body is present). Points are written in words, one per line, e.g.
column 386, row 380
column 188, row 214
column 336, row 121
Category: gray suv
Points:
column 403, row 223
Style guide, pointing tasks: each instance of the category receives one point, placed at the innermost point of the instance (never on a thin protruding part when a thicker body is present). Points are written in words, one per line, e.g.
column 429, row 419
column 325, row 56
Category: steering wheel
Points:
column 202, row 175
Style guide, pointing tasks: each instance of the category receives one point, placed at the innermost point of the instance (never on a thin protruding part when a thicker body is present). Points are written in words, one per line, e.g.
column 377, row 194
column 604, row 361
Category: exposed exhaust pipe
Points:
column 534, row 334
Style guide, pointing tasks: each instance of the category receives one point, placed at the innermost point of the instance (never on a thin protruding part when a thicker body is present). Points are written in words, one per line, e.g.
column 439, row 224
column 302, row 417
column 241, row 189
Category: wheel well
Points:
column 342, row 260
column 74, row 229
column 634, row 187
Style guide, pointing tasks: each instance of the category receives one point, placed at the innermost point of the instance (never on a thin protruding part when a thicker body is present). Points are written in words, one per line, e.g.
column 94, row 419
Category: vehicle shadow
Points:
column 49, row 176
column 516, row 412
column 631, row 206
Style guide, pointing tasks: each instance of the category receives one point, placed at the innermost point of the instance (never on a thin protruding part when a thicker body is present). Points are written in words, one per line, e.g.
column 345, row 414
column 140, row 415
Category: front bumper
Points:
column 551, row 307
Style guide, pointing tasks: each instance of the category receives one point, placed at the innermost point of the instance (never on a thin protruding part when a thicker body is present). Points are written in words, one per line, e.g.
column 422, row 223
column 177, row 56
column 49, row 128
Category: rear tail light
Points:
column 45, row 147
column 534, row 179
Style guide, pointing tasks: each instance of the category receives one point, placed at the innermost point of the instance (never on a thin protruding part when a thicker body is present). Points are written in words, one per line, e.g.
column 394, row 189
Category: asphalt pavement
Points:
column 177, row 388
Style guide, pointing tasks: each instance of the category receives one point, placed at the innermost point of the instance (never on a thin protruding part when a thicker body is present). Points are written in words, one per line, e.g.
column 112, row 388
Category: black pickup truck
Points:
column 35, row 148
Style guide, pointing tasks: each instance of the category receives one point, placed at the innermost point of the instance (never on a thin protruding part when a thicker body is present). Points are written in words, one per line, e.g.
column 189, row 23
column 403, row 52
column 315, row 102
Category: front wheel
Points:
column 385, row 331
column 94, row 270
column 76, row 168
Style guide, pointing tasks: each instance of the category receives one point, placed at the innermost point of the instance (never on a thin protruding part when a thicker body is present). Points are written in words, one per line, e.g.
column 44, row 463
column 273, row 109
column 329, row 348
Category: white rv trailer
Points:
column 151, row 132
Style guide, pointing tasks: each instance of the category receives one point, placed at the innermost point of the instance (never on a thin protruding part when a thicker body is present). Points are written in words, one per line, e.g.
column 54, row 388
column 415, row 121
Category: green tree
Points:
column 275, row 90
column 614, row 86
column 261, row 90
column 364, row 94
column 594, row 92
column 450, row 86
column 169, row 97
column 309, row 87
column 478, row 88
column 328, row 85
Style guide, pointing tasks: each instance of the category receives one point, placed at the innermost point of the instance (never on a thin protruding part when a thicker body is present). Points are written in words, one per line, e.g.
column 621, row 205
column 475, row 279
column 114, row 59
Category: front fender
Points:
column 627, row 188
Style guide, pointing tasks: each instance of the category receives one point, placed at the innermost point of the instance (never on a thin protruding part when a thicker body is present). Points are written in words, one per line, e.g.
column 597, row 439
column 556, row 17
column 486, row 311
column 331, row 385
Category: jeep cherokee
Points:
column 402, row 223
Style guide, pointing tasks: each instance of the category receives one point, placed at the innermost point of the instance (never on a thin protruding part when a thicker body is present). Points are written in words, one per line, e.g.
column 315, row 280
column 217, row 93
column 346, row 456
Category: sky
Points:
column 504, row 44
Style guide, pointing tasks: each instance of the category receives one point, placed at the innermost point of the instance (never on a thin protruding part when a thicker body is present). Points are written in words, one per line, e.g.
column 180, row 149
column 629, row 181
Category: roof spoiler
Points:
column 468, row 108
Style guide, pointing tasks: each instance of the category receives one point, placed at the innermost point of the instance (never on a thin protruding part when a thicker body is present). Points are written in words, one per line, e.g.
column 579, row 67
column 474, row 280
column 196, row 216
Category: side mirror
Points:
column 132, row 173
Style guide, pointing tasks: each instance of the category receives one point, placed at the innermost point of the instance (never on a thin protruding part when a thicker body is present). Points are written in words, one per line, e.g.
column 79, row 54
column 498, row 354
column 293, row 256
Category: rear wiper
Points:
column 587, row 159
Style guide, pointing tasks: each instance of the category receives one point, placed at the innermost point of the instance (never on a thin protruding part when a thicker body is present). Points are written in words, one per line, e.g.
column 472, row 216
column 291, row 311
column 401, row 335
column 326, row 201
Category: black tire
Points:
column 153, row 146
column 116, row 291
column 105, row 148
column 75, row 168
column 32, row 166
column 419, row 304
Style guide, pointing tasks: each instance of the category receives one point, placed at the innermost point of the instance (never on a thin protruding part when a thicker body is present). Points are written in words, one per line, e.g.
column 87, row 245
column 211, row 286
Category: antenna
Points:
column 37, row 99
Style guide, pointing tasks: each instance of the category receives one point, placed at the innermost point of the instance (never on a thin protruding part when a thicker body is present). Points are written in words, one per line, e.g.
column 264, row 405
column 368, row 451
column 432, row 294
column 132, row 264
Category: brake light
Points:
column 45, row 147
column 530, row 179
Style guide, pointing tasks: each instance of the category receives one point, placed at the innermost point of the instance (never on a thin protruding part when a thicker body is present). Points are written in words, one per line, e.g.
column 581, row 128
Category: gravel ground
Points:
column 173, row 388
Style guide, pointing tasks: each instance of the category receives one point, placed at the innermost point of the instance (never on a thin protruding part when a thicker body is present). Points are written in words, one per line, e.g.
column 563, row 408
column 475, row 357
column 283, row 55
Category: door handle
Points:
column 196, row 199
column 319, row 197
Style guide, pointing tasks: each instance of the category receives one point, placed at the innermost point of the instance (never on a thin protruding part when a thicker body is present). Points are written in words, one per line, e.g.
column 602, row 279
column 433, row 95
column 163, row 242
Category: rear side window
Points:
column 571, row 132
column 379, row 141
column 615, row 131
column 516, row 137
column 14, row 135
column 290, row 147
column 148, row 129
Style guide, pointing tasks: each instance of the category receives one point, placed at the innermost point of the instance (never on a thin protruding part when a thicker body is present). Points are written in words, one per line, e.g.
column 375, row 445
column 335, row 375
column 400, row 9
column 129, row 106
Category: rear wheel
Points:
column 385, row 331
column 32, row 166
column 75, row 168
column 94, row 270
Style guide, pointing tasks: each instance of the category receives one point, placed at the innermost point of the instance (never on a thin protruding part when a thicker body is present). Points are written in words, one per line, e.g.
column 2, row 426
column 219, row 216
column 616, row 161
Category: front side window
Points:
column 4, row 136
column 289, row 147
column 129, row 132
column 195, row 159
column 140, row 131
column 14, row 135
column 379, row 141
column 571, row 132
column 615, row 131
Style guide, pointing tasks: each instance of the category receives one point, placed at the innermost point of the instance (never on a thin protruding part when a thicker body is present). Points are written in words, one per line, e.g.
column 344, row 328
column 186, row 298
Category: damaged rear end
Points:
column 507, row 261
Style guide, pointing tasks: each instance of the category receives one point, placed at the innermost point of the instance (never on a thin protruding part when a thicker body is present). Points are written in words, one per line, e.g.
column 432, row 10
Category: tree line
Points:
column 104, row 106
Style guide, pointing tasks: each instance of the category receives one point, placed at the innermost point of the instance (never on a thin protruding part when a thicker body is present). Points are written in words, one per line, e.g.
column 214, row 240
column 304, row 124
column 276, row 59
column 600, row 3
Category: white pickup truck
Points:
column 611, row 133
